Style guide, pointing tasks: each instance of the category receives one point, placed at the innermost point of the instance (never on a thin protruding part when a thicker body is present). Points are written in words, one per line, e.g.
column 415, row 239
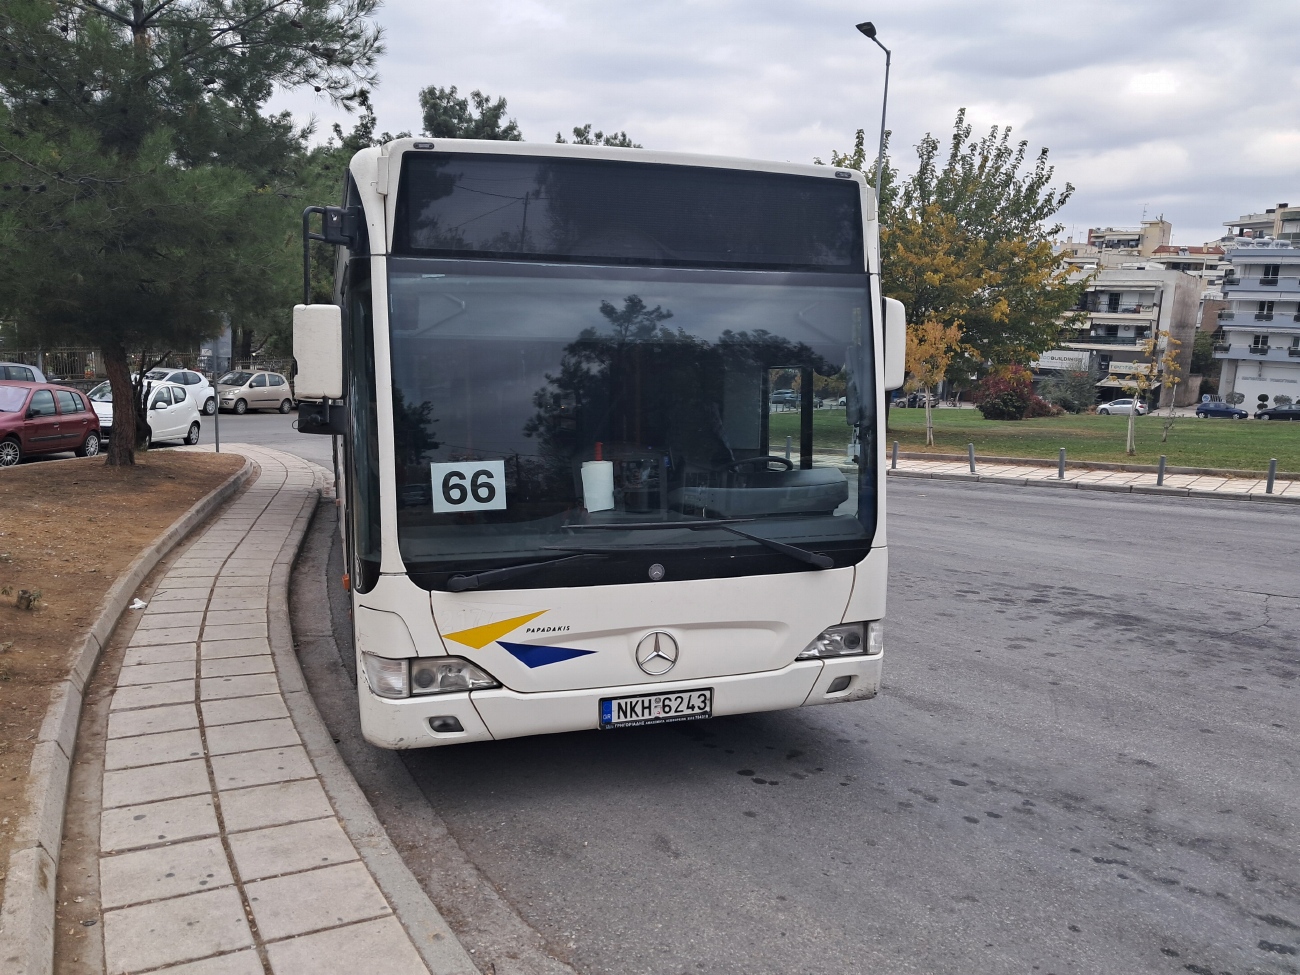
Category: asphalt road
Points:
column 1083, row 760
column 271, row 430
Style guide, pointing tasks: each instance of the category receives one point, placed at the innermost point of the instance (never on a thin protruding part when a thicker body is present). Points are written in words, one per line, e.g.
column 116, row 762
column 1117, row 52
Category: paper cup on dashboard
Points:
column 598, row 485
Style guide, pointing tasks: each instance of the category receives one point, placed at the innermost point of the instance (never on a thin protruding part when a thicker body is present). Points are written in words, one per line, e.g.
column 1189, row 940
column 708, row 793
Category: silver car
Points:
column 1122, row 407
column 242, row 391
column 22, row 372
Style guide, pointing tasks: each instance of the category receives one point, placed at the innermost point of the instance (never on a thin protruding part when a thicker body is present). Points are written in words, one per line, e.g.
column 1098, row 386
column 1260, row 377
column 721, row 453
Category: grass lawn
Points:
column 1239, row 444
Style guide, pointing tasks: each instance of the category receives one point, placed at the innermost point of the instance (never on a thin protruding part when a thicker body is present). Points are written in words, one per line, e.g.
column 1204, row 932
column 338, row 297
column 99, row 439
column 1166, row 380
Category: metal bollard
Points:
column 970, row 451
column 1060, row 466
column 787, row 447
column 893, row 461
column 1160, row 472
column 1272, row 474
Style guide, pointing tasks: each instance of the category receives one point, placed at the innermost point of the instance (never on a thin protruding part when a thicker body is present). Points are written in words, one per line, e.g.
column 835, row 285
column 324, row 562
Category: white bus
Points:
column 572, row 498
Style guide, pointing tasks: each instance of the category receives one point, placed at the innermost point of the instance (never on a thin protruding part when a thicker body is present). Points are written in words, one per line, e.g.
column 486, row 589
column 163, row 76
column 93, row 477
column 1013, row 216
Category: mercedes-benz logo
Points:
column 657, row 653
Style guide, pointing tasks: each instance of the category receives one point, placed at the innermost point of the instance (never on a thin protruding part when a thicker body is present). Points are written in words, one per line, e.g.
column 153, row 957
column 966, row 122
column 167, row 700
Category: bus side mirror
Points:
column 895, row 365
column 318, row 347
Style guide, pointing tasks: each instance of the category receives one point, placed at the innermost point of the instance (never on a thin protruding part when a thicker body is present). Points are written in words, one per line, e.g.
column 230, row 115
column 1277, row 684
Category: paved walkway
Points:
column 1194, row 485
column 220, row 851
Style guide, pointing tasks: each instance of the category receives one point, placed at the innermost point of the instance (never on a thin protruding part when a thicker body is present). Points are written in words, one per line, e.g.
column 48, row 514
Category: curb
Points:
column 27, row 921
column 432, row 937
column 1097, row 465
column 1173, row 492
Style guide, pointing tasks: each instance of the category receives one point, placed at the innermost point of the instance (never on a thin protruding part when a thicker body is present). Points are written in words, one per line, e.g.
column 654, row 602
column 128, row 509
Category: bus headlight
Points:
column 385, row 675
column 845, row 640
column 442, row 675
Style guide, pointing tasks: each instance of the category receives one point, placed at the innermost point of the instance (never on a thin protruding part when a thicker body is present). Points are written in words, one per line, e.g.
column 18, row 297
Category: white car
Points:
column 1122, row 407
column 173, row 412
column 200, row 390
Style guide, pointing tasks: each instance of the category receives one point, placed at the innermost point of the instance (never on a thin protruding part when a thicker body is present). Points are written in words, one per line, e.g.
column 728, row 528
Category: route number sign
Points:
column 476, row 485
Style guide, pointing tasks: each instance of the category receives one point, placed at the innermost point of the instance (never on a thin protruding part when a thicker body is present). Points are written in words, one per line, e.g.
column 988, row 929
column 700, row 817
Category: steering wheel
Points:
column 767, row 460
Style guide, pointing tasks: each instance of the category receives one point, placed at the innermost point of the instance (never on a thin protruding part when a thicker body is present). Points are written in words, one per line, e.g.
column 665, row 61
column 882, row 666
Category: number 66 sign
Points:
column 476, row 485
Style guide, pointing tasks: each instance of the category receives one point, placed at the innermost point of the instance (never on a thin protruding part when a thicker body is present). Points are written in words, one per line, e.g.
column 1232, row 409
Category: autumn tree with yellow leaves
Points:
column 966, row 241
column 931, row 346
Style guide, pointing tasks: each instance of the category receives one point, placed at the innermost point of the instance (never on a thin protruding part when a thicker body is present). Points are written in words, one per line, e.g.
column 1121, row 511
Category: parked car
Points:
column 40, row 418
column 784, row 397
column 1291, row 411
column 244, row 391
column 1221, row 409
column 21, row 372
column 913, row 400
column 197, row 384
column 1123, row 407
column 172, row 415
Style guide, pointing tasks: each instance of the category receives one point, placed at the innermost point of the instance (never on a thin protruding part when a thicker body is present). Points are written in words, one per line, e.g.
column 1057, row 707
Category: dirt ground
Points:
column 68, row 528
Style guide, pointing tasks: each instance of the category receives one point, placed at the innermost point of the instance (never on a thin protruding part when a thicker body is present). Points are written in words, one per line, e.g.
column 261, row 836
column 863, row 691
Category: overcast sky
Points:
column 1186, row 108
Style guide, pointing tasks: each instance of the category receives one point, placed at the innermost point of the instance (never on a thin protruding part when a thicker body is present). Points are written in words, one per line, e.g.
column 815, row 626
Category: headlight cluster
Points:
column 847, row 639
column 400, row 677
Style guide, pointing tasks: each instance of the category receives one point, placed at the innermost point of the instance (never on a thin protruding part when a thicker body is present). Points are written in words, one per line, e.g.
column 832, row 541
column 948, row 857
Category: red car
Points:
column 41, row 418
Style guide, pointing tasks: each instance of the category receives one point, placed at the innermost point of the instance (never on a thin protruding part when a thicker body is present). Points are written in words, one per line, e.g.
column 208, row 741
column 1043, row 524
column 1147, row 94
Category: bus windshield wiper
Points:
column 726, row 524
column 630, row 526
column 802, row 554
column 461, row 582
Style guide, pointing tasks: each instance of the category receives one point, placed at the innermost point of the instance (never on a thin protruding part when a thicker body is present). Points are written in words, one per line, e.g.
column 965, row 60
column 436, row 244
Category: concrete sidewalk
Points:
column 1126, row 482
column 221, row 852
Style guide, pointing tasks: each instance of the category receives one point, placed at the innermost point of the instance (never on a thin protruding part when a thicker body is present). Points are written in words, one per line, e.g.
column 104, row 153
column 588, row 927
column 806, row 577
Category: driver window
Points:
column 178, row 395
column 259, row 380
column 162, row 398
column 43, row 402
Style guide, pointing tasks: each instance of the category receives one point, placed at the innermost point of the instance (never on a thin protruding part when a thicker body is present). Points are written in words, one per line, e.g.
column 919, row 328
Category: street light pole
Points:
column 868, row 29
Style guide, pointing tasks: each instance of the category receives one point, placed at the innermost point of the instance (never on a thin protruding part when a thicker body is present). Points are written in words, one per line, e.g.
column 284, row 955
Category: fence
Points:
column 63, row 365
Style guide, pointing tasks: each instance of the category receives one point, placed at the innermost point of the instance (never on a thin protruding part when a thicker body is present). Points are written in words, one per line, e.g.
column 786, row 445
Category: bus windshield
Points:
column 624, row 414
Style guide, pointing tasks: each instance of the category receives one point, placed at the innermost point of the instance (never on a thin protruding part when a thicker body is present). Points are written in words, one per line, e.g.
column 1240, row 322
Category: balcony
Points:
column 1268, row 282
column 1294, row 352
column 1259, row 350
column 1222, row 346
column 1096, row 308
column 1263, row 316
column 1228, row 315
column 1088, row 339
column 1231, row 279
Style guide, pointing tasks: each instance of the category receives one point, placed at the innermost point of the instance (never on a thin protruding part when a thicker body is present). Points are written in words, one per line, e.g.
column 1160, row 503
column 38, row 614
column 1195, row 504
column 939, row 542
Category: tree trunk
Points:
column 121, row 445
column 1169, row 417
column 929, row 418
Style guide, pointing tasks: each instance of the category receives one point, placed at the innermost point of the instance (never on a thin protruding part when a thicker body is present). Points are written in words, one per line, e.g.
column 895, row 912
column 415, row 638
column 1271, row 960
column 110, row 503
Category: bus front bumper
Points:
column 503, row 713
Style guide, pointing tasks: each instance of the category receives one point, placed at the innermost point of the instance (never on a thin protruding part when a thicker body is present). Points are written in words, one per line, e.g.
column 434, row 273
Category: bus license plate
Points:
column 626, row 712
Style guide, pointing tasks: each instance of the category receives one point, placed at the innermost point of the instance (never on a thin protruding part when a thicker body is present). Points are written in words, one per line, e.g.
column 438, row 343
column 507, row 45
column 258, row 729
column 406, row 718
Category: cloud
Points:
column 1165, row 100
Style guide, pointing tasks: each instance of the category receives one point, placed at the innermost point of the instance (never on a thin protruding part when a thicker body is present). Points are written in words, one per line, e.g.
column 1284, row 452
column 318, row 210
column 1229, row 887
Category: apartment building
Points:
column 1281, row 222
column 1258, row 339
column 1121, row 308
